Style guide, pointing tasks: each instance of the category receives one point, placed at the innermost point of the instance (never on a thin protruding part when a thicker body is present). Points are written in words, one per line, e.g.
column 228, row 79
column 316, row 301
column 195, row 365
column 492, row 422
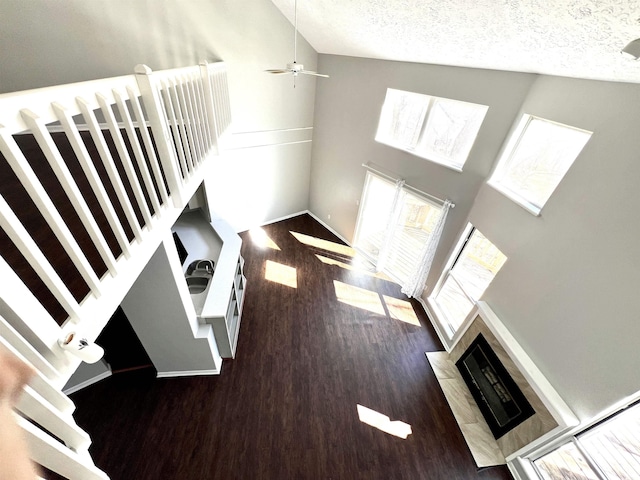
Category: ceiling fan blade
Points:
column 315, row 74
column 277, row 71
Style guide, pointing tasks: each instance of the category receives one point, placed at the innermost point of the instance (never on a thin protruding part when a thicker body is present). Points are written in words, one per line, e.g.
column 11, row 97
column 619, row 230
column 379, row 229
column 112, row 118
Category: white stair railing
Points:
column 97, row 173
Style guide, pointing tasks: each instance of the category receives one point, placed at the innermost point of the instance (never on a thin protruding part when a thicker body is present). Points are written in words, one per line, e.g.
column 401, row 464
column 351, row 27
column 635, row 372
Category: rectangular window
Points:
column 536, row 159
column 393, row 227
column 475, row 264
column 610, row 450
column 437, row 129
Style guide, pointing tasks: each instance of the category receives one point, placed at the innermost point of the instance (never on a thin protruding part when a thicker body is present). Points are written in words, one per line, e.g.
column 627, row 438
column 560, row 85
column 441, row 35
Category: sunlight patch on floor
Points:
column 383, row 423
column 324, row 244
column 373, row 302
column 260, row 239
column 359, row 297
column 401, row 310
column 279, row 273
column 358, row 266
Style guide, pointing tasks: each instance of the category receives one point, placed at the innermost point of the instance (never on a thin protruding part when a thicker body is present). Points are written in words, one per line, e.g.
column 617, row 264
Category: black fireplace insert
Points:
column 502, row 403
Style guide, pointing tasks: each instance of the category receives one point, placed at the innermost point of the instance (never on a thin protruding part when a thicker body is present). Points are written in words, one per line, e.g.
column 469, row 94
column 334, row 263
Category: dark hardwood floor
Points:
column 286, row 407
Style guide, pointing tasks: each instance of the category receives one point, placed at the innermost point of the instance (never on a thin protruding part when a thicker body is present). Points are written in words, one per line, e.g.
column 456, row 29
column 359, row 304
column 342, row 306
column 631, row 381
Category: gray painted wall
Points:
column 162, row 314
column 48, row 43
column 347, row 111
column 568, row 290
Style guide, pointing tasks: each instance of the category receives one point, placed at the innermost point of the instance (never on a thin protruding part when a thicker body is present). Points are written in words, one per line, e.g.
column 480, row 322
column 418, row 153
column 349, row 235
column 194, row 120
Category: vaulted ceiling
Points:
column 573, row 38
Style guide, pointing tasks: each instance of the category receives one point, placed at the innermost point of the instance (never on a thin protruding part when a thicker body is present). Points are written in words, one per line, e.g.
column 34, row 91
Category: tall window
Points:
column 438, row 129
column 395, row 226
column 608, row 451
column 475, row 264
column 536, row 159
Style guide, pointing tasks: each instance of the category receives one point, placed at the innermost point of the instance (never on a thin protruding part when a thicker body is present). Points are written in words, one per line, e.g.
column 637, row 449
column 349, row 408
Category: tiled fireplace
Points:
column 500, row 357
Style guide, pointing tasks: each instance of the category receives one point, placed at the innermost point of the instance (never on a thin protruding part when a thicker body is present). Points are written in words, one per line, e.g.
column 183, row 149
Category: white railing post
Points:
column 161, row 134
column 209, row 105
column 216, row 92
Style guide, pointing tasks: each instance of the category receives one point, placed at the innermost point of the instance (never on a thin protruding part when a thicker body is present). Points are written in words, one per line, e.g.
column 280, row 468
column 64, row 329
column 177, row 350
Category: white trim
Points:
column 187, row 373
column 286, row 217
column 88, row 382
column 464, row 326
column 433, row 318
column 552, row 444
column 517, row 199
column 451, row 258
column 269, row 138
column 81, row 127
column 427, row 197
column 519, row 466
column 511, row 146
column 556, row 406
column 57, row 457
column 329, row 228
column 297, row 214
column 264, row 145
column 419, row 146
column 450, row 166
column 547, row 393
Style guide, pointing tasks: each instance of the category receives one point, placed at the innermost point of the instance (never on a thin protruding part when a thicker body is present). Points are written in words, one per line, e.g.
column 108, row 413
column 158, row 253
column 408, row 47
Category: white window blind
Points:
column 437, row 129
column 536, row 159
column 395, row 226
column 608, row 451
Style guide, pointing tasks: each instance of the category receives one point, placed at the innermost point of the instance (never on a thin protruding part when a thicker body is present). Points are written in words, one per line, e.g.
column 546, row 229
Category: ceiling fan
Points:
column 295, row 68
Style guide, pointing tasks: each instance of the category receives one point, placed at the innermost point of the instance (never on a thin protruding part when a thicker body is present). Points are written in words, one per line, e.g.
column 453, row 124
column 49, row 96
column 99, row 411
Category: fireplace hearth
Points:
column 501, row 402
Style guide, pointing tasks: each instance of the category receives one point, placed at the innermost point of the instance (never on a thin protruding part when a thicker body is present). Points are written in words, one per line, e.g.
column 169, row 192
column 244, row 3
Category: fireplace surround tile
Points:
column 484, row 448
column 552, row 415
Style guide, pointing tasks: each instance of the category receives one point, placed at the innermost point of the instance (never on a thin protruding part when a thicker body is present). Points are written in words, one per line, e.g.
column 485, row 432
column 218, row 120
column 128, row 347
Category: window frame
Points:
column 383, row 137
column 454, row 256
column 574, row 437
column 379, row 261
column 511, row 149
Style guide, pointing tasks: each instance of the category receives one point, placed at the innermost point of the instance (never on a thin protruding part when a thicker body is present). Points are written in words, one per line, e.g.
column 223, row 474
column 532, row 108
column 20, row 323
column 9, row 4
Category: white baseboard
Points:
column 187, row 373
column 432, row 318
column 316, row 218
column 87, row 383
column 286, row 217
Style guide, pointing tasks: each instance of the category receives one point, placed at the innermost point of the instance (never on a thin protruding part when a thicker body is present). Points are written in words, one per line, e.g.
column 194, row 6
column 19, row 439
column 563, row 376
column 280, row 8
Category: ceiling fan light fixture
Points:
column 294, row 68
column 632, row 50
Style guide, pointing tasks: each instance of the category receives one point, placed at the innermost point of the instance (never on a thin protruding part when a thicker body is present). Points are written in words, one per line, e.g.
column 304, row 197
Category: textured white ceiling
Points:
column 573, row 38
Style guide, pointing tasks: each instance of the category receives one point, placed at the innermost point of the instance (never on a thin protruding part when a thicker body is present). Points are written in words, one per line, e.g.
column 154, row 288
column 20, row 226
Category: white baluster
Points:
column 148, row 144
column 175, row 117
column 38, row 261
column 109, row 165
column 51, row 454
column 59, row 167
column 92, row 175
column 157, row 119
column 38, row 194
column 114, row 129
column 137, row 150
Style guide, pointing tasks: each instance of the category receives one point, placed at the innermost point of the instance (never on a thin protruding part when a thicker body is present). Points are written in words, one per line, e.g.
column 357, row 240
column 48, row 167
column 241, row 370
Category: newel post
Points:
column 161, row 134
